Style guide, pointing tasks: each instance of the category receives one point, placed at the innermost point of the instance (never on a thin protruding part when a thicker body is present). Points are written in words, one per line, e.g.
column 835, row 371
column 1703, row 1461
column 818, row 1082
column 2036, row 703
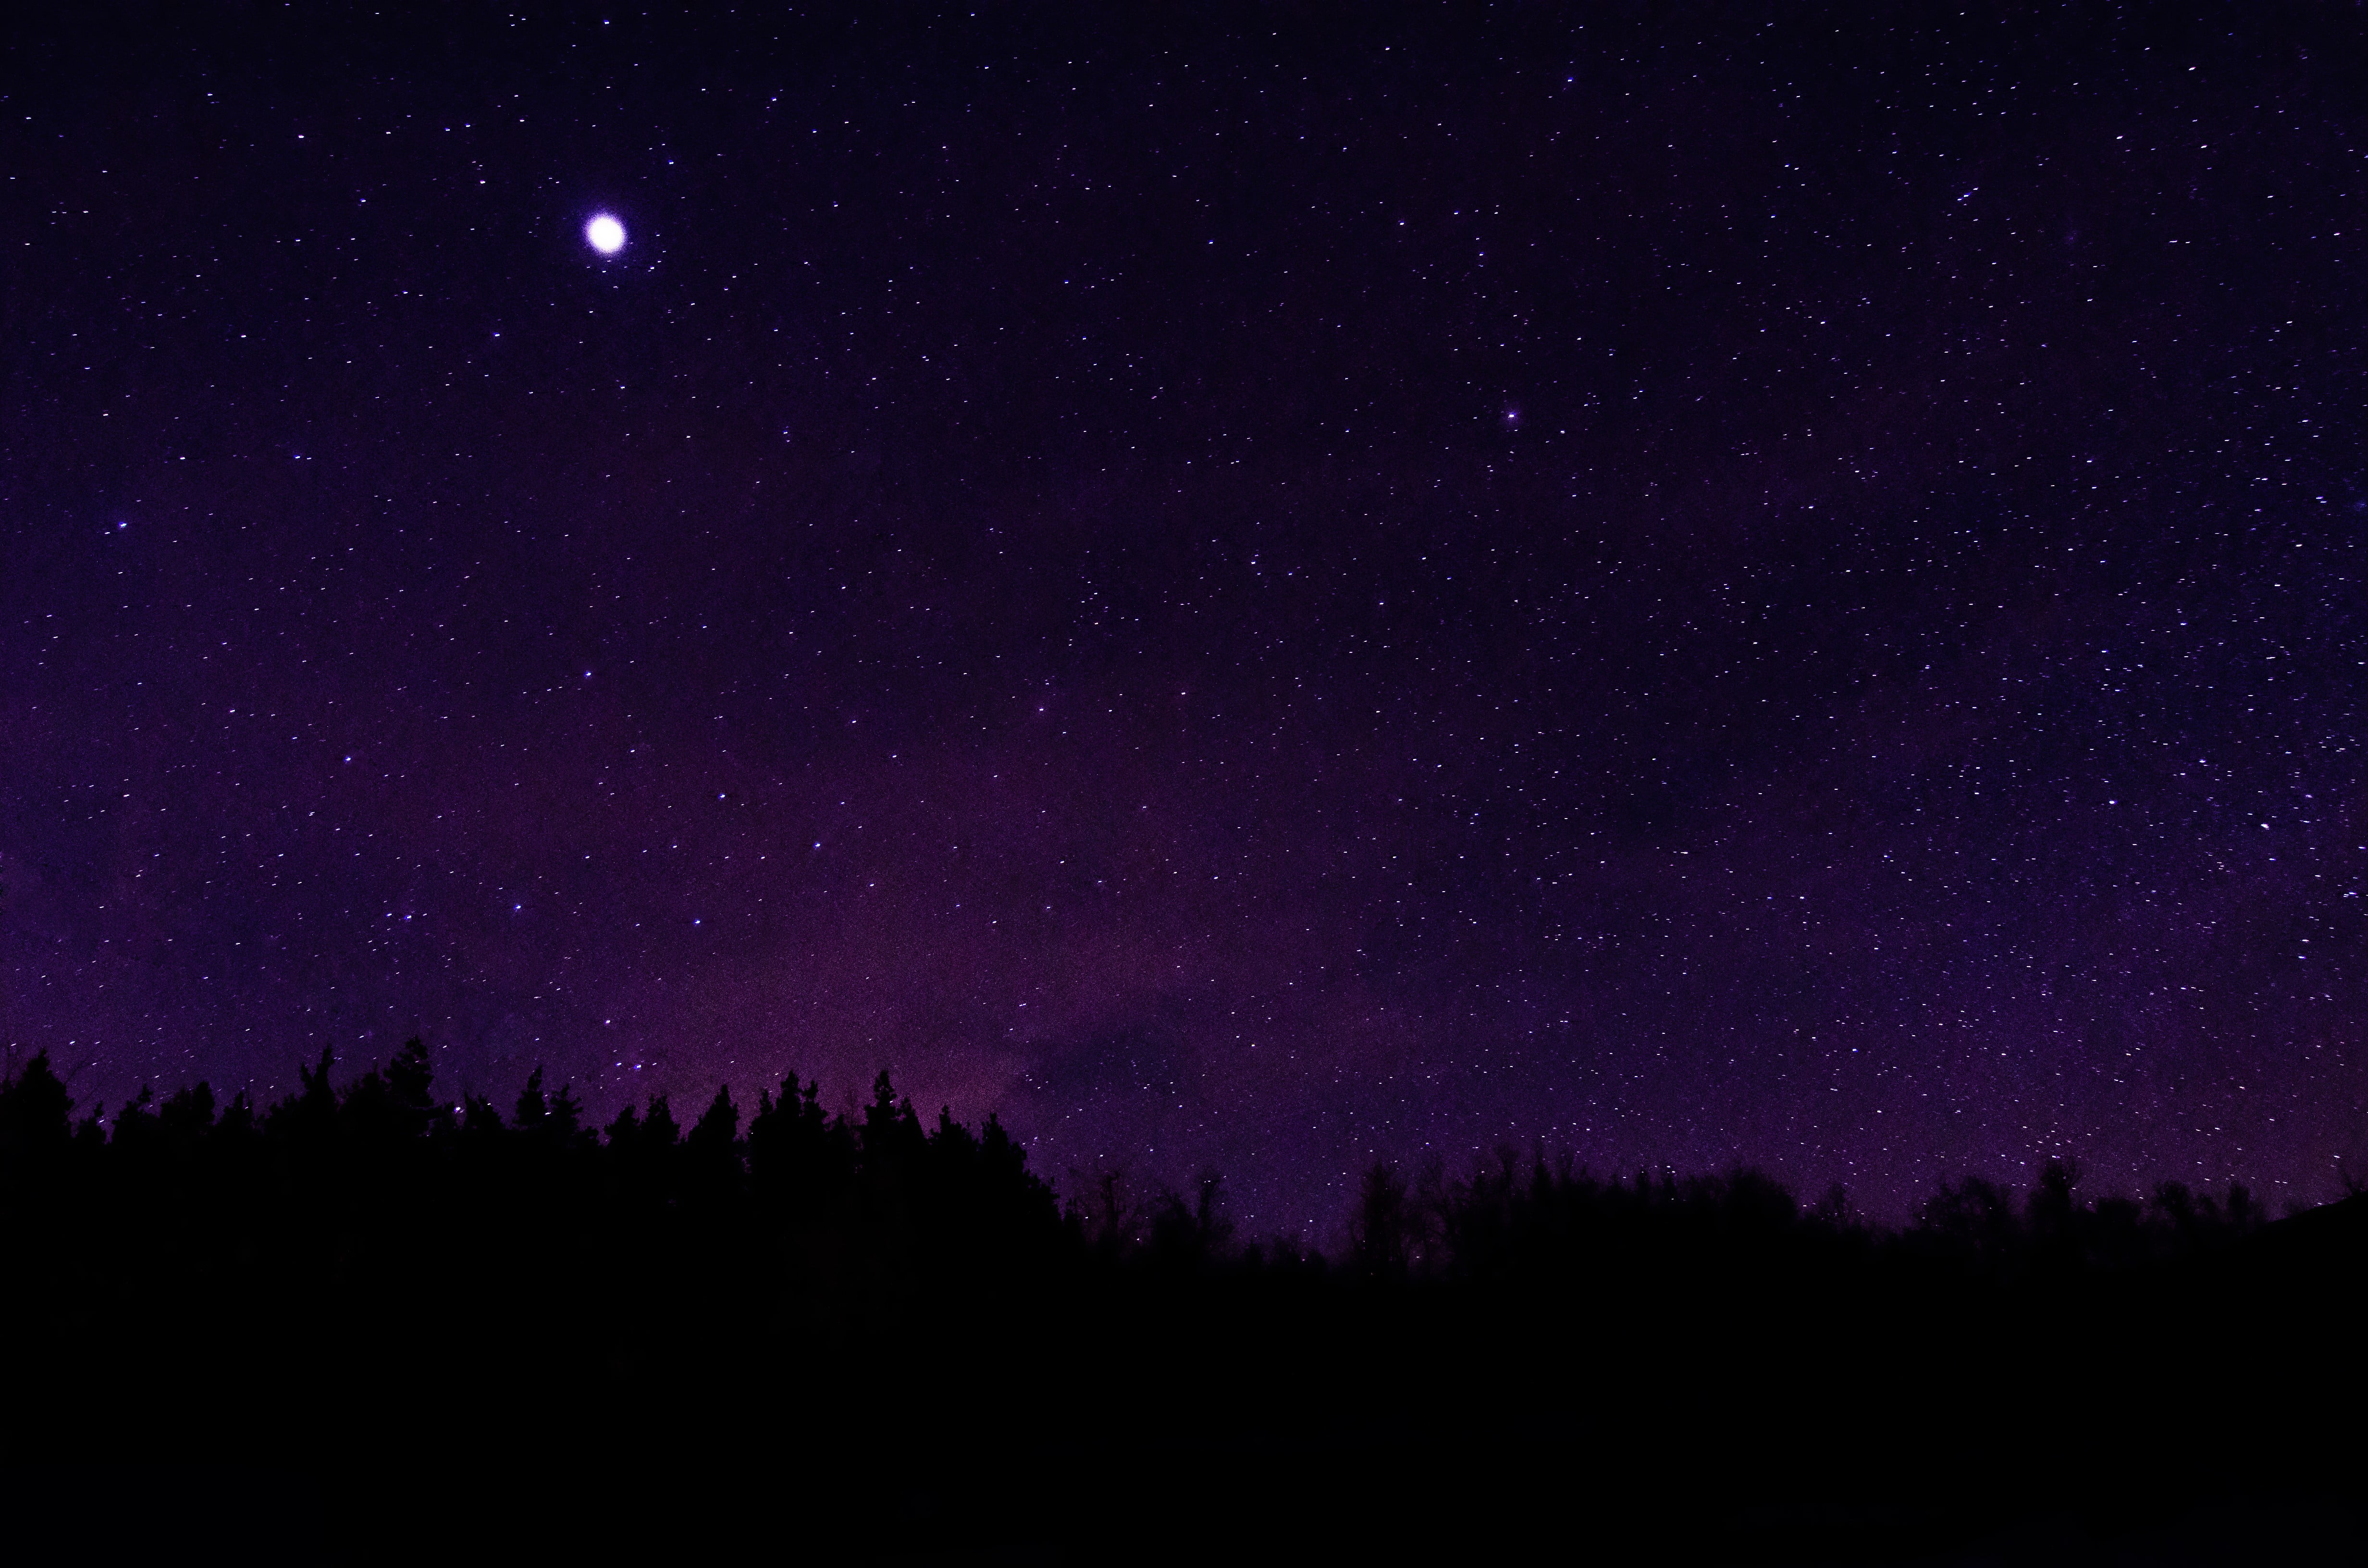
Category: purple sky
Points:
column 1254, row 592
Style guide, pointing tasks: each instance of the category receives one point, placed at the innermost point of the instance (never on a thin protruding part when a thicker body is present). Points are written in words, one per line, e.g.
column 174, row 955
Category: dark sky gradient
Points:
column 1257, row 588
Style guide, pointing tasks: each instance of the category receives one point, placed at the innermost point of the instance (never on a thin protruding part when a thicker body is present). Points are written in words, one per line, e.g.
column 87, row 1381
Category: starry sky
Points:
column 1253, row 589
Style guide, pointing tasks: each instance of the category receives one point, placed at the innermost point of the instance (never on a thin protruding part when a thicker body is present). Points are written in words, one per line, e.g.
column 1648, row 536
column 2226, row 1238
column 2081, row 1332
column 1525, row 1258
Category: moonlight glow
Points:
column 605, row 235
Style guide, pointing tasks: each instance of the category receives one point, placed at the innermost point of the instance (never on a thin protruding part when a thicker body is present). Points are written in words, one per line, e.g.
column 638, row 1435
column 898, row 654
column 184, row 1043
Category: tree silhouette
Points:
column 36, row 1115
column 711, row 1155
column 358, row 1264
column 1381, row 1237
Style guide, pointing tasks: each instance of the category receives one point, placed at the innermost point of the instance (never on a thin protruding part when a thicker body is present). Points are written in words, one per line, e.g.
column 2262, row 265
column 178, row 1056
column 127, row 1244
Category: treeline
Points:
column 380, row 1175
column 1540, row 1224
column 370, row 1283
column 876, row 1200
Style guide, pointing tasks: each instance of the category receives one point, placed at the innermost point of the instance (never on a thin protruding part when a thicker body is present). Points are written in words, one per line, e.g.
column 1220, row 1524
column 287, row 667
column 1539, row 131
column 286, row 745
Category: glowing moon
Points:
column 605, row 235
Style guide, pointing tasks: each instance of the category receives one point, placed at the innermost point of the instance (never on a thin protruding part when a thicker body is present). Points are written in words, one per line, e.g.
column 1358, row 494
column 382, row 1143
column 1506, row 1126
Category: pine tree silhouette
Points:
column 356, row 1268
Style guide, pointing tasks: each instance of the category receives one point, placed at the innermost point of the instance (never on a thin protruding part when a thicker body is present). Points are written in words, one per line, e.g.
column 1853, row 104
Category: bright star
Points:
column 605, row 235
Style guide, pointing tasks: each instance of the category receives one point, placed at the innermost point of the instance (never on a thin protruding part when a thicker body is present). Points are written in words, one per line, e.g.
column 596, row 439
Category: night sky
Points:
column 1251, row 588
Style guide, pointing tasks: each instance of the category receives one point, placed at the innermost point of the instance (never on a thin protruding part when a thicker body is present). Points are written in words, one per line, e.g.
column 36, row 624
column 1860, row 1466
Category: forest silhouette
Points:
column 862, row 1337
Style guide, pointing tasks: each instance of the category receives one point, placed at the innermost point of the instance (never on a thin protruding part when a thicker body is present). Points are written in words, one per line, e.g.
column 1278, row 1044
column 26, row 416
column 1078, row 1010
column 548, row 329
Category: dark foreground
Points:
column 365, row 1325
